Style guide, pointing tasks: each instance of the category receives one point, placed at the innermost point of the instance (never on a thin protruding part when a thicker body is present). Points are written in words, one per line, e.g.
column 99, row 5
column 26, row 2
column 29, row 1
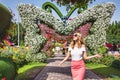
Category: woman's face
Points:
column 75, row 37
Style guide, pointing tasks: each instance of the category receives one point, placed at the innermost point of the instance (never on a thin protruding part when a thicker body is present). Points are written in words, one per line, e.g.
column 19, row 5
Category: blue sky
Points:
column 12, row 4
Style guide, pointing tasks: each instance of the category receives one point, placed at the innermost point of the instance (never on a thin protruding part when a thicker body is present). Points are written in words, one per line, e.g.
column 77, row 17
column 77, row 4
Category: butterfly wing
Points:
column 100, row 16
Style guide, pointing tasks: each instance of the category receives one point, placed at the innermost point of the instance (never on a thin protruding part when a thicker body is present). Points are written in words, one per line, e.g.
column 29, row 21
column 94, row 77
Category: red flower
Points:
column 108, row 45
column 118, row 45
column 4, row 78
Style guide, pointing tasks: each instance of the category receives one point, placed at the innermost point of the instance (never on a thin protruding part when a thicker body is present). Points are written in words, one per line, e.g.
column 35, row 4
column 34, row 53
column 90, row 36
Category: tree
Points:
column 113, row 32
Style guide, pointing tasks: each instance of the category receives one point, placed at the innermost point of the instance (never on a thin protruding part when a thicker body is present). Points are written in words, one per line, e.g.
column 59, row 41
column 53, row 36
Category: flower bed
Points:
column 21, row 55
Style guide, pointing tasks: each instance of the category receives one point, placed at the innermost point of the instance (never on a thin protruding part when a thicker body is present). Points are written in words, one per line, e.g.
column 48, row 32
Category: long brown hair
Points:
column 80, row 41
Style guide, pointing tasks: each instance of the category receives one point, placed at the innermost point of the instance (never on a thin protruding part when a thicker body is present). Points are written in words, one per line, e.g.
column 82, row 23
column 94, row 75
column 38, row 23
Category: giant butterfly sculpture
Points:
column 99, row 16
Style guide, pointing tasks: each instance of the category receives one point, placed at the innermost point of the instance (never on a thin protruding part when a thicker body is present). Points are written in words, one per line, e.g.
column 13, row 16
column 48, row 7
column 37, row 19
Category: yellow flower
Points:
column 16, row 50
column 6, row 42
column 1, row 49
column 13, row 57
column 6, row 48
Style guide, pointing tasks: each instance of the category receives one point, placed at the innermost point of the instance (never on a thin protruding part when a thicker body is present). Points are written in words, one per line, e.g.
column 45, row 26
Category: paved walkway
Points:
column 55, row 72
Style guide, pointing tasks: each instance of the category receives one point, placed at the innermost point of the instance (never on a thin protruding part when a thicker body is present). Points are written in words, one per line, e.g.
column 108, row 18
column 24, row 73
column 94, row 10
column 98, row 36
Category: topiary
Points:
column 5, row 18
column 116, row 63
column 8, row 69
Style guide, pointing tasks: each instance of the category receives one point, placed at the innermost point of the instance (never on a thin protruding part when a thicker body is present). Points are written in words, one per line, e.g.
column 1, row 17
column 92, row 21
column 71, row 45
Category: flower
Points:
column 4, row 78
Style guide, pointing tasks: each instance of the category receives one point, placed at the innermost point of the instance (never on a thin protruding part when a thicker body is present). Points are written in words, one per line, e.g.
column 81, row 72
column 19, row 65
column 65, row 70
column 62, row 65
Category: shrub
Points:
column 102, row 50
column 17, row 54
column 39, row 57
column 5, row 18
column 116, row 63
column 8, row 69
column 94, row 61
column 22, row 55
column 108, row 60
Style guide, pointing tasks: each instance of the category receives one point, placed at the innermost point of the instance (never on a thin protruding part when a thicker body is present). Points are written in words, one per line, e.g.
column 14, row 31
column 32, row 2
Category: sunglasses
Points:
column 75, row 35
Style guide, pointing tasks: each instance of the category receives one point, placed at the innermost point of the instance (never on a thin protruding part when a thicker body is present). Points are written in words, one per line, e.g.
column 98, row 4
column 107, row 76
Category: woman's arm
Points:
column 67, row 56
column 89, row 57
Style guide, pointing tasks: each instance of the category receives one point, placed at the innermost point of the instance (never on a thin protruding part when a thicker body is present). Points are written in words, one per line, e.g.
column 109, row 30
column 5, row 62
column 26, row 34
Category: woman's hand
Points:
column 60, row 63
column 98, row 55
column 67, row 56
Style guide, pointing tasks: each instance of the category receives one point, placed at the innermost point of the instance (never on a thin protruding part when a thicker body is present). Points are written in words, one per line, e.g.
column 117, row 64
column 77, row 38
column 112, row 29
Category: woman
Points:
column 78, row 53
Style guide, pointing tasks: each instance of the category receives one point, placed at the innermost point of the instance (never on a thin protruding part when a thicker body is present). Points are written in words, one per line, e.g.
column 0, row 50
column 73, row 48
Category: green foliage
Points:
column 17, row 54
column 105, row 71
column 13, row 32
column 7, row 69
column 5, row 18
column 39, row 57
column 58, row 44
column 113, row 32
column 94, row 61
column 29, row 66
column 22, row 55
column 49, row 6
column 102, row 50
column 108, row 60
column 24, row 73
column 45, row 7
column 116, row 63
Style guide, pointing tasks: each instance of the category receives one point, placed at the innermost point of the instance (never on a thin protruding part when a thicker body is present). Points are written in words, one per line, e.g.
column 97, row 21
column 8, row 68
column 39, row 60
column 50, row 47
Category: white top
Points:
column 76, row 53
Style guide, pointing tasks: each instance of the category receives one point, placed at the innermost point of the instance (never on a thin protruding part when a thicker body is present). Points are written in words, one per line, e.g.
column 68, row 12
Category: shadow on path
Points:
column 55, row 72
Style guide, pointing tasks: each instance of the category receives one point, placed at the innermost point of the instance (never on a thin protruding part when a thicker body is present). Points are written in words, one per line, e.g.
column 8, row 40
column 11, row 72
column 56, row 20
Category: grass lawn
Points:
column 105, row 71
column 29, row 71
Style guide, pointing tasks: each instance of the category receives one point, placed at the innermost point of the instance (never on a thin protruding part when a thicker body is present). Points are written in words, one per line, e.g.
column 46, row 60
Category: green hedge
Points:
column 5, row 18
column 116, row 64
column 7, row 69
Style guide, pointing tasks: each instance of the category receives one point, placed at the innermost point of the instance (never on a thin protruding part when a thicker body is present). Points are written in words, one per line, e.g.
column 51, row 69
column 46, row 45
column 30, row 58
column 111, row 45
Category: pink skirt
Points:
column 78, row 69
